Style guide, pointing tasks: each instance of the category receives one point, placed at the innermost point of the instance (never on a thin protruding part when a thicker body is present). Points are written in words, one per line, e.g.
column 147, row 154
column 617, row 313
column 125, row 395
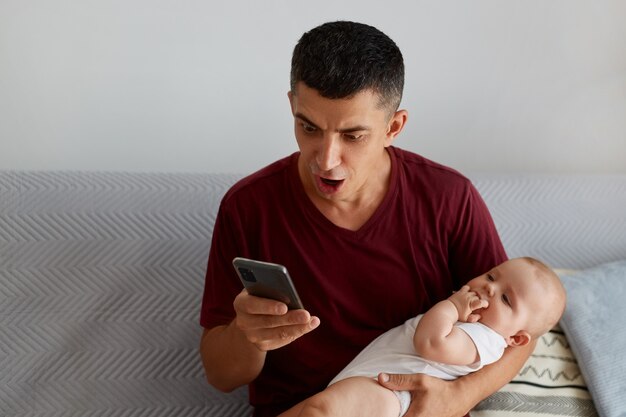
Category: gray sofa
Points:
column 101, row 277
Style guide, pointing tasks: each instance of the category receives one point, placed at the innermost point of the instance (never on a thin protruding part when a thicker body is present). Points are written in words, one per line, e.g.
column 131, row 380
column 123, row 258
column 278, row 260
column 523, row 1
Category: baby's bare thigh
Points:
column 359, row 397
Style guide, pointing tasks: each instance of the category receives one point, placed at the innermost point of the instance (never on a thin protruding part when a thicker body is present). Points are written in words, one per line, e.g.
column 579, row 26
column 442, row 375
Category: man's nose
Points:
column 329, row 156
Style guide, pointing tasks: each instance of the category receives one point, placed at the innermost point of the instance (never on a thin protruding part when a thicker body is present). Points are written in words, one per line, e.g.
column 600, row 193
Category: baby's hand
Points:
column 466, row 303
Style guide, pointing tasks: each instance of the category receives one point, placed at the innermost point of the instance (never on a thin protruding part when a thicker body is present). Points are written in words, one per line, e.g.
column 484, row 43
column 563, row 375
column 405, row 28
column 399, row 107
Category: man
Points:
column 371, row 234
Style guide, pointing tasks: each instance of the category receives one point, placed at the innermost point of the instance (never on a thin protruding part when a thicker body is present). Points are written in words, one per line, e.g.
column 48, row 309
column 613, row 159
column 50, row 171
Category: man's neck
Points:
column 354, row 211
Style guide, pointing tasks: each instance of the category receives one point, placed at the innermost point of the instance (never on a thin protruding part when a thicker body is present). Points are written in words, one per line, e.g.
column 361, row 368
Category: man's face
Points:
column 342, row 143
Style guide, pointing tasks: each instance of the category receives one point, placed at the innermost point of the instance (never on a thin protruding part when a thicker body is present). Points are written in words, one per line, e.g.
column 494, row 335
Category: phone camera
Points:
column 247, row 275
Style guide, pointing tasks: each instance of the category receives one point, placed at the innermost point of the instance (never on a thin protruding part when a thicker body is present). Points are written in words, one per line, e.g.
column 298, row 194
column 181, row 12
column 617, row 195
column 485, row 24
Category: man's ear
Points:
column 521, row 338
column 291, row 98
column 396, row 124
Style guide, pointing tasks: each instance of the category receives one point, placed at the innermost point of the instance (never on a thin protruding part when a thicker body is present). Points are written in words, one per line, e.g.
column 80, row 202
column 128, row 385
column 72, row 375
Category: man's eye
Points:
column 353, row 137
column 308, row 128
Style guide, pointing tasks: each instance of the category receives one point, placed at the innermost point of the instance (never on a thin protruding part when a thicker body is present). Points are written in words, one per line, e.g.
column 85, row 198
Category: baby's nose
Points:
column 490, row 290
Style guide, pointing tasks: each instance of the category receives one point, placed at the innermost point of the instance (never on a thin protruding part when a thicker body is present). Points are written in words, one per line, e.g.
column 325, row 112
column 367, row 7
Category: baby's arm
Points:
column 437, row 339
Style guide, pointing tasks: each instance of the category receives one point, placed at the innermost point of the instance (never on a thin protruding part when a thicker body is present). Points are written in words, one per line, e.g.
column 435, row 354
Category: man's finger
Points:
column 399, row 382
column 269, row 339
column 257, row 305
column 292, row 318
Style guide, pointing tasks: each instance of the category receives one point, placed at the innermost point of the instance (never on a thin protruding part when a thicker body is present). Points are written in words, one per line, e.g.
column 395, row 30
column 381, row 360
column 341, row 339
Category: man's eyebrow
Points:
column 358, row 128
column 307, row 121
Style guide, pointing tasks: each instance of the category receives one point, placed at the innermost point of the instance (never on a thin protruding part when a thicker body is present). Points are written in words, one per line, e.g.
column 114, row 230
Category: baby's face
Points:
column 514, row 295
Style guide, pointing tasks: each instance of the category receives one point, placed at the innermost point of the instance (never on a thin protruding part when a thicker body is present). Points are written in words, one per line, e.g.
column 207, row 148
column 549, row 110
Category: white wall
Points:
column 190, row 85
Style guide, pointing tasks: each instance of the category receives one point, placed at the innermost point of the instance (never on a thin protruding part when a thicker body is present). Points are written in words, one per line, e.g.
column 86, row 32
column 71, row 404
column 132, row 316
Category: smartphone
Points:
column 267, row 280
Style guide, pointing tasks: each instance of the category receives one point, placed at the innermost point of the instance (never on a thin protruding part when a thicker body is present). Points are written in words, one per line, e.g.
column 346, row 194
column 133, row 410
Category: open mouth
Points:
column 329, row 186
column 332, row 183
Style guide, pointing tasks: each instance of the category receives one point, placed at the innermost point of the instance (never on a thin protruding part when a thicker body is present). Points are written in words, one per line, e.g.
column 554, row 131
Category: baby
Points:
column 515, row 302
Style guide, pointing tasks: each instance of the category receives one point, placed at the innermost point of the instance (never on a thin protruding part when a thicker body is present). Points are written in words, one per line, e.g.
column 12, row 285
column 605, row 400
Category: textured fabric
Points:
column 594, row 325
column 568, row 221
column 101, row 279
column 430, row 234
column 393, row 352
column 549, row 383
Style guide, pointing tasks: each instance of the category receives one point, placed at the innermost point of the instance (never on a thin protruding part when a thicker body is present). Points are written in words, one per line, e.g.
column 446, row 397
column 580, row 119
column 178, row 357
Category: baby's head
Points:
column 526, row 299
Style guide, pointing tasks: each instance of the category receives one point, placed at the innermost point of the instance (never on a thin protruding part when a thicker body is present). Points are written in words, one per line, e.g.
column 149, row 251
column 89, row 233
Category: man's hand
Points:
column 234, row 354
column 430, row 396
column 268, row 324
column 466, row 303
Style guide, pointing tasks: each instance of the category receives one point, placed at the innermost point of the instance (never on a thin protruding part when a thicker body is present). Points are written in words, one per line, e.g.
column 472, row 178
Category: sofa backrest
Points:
column 101, row 278
column 568, row 221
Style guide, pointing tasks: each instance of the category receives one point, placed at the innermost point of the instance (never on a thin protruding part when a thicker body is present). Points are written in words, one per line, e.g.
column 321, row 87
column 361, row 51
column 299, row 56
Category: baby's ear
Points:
column 521, row 338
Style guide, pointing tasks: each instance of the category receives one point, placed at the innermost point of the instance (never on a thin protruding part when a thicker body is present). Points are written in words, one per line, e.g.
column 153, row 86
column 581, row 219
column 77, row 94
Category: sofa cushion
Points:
column 549, row 383
column 594, row 324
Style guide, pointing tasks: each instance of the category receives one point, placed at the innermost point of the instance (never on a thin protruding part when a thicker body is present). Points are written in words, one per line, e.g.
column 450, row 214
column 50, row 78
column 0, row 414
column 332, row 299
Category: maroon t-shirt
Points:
column 431, row 234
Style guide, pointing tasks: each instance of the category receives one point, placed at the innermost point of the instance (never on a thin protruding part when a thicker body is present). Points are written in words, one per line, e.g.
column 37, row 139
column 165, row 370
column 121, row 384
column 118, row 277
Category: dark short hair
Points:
column 340, row 59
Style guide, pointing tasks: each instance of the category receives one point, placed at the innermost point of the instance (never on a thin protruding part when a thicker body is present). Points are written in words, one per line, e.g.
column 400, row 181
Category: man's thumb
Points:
column 393, row 381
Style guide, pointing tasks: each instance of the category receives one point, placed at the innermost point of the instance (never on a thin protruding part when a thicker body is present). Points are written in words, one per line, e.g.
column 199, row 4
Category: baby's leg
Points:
column 352, row 397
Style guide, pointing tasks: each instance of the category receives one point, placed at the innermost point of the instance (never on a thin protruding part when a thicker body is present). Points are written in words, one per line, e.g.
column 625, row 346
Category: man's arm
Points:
column 229, row 360
column 435, row 397
column 233, row 355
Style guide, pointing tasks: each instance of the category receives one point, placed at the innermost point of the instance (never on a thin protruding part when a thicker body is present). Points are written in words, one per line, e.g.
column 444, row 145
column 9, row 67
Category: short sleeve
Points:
column 221, row 282
column 490, row 345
